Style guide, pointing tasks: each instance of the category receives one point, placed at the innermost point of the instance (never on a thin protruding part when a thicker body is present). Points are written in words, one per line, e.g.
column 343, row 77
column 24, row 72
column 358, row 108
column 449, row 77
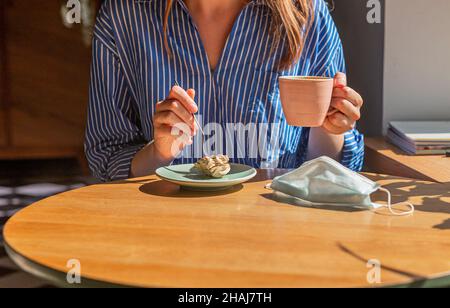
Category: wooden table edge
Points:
column 59, row 279
column 53, row 276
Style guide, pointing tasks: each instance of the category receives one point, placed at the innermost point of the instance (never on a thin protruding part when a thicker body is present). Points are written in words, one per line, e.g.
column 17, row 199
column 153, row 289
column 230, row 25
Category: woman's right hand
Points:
column 174, row 124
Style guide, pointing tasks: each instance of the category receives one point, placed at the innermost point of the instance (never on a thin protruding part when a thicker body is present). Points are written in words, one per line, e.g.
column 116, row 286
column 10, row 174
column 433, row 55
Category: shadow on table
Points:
column 432, row 194
column 445, row 225
column 267, row 175
column 129, row 181
column 163, row 189
column 418, row 279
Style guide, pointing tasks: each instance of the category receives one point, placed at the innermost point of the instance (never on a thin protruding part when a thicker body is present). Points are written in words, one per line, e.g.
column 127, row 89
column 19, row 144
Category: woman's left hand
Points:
column 346, row 106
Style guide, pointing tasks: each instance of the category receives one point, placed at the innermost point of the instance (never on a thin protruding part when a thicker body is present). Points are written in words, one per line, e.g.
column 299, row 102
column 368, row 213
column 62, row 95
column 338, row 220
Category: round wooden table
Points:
column 149, row 233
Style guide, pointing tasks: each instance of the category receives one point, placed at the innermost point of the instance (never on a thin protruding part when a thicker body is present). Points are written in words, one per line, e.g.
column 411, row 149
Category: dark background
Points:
column 364, row 53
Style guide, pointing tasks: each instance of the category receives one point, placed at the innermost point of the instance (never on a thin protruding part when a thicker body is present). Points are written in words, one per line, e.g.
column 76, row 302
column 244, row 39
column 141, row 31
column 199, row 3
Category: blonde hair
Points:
column 290, row 19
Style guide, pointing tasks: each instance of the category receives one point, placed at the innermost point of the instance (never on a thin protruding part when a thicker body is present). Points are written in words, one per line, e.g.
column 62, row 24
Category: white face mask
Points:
column 325, row 182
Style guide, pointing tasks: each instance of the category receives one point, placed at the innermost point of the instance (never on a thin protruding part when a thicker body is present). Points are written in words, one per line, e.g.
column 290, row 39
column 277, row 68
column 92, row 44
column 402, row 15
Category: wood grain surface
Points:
column 146, row 232
column 386, row 158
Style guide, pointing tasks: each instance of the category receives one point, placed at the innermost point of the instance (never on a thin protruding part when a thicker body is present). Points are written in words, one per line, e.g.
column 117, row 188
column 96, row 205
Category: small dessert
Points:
column 216, row 166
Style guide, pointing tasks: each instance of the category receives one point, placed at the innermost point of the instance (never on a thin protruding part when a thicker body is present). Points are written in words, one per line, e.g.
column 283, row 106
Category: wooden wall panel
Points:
column 35, row 129
column 3, row 140
column 49, row 75
column 3, row 80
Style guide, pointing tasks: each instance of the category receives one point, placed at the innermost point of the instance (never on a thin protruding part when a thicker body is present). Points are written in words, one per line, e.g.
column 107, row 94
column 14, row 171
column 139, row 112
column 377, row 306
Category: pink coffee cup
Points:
column 305, row 100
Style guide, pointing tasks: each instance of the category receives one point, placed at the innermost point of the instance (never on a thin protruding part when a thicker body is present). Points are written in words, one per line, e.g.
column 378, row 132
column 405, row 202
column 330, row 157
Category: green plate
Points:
column 190, row 178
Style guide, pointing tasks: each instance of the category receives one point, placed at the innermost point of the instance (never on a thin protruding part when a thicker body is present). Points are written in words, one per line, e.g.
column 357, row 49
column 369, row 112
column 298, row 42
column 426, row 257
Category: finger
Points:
column 340, row 80
column 183, row 97
column 331, row 128
column 340, row 120
column 181, row 139
column 165, row 130
column 180, row 135
column 349, row 94
column 331, row 111
column 176, row 107
column 346, row 108
column 191, row 93
column 169, row 118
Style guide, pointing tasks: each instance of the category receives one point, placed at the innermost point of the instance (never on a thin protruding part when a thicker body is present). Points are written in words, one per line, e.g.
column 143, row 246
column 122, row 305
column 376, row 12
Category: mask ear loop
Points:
column 390, row 205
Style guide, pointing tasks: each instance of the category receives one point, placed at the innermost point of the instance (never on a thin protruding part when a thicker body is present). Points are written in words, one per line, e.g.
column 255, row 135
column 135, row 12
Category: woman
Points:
column 226, row 55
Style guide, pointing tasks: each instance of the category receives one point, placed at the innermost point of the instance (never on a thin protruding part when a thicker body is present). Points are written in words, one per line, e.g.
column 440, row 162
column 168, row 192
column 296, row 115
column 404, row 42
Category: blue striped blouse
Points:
column 131, row 71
